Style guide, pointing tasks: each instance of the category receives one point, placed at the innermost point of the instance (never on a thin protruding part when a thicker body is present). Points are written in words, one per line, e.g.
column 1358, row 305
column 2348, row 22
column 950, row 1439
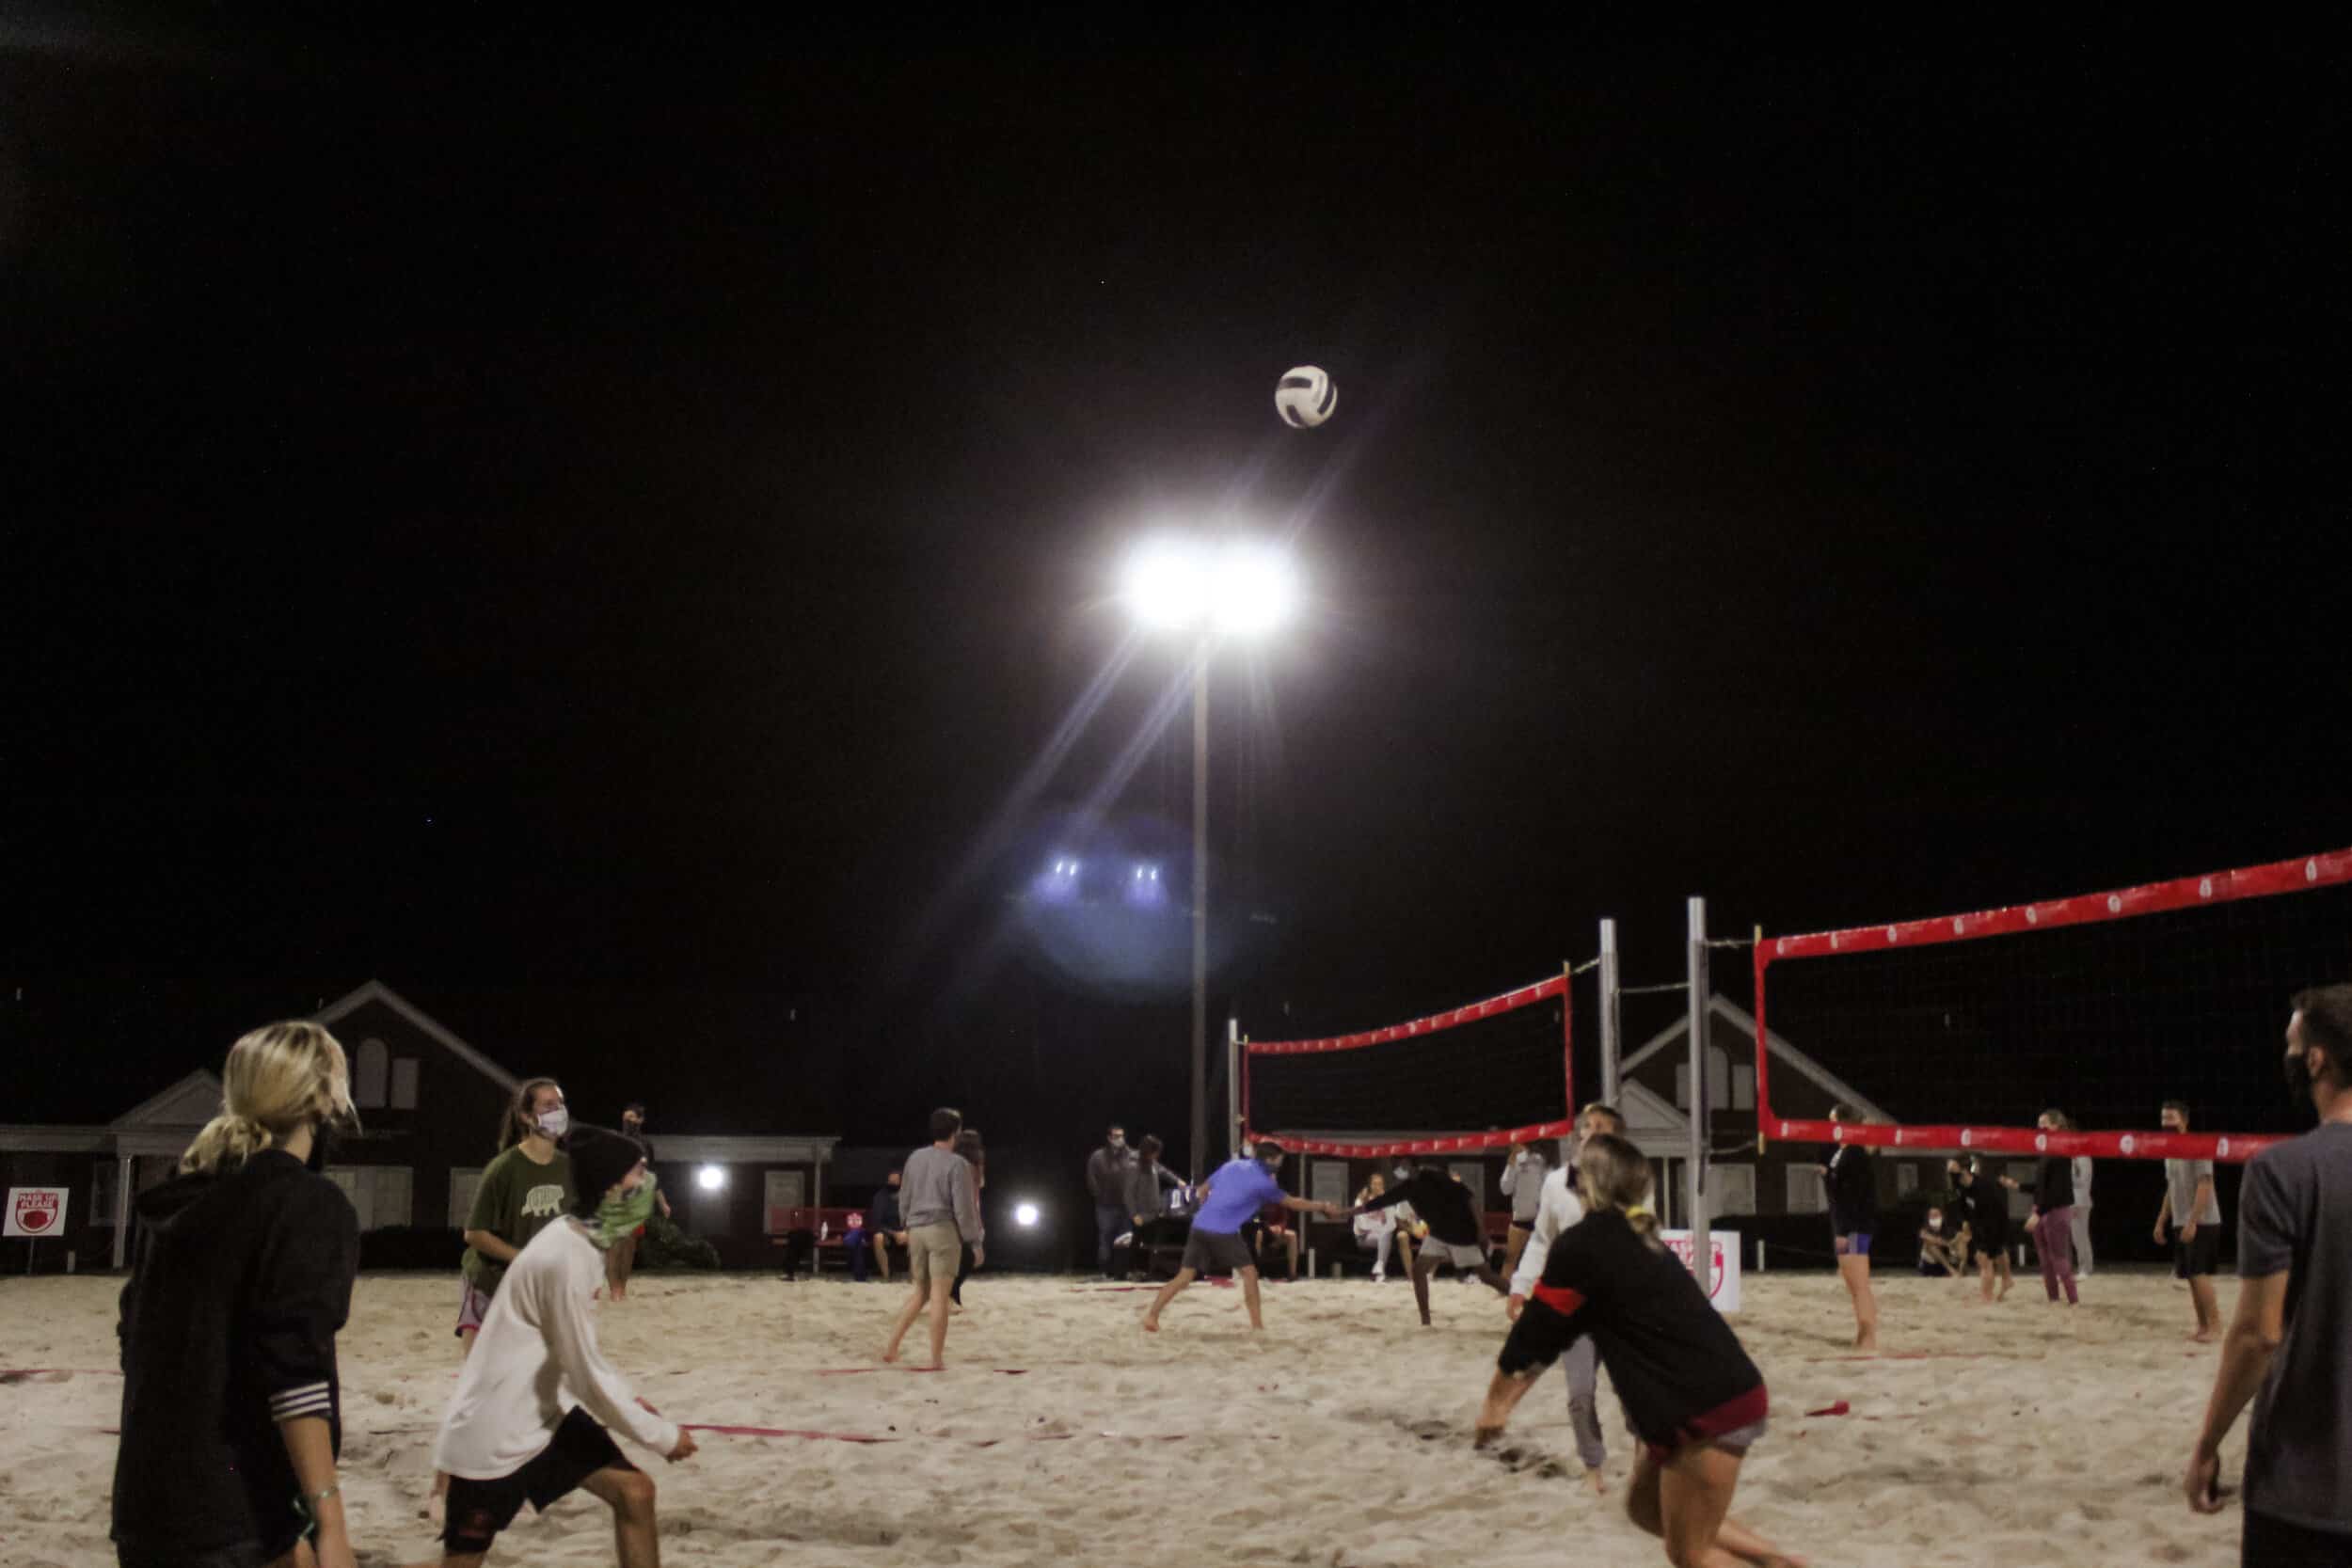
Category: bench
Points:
column 816, row 1234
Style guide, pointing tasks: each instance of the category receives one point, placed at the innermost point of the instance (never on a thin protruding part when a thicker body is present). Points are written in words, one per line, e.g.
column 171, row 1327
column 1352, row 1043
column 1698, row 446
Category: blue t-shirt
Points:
column 1238, row 1190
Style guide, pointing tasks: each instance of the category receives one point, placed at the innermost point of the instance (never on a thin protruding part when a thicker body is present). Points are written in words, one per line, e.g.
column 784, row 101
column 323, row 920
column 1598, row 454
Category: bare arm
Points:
column 310, row 1449
column 1309, row 1205
column 2254, row 1336
column 488, row 1243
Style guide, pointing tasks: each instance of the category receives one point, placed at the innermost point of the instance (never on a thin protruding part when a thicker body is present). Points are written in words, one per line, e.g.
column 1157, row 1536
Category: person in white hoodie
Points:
column 1558, row 1208
column 528, row 1421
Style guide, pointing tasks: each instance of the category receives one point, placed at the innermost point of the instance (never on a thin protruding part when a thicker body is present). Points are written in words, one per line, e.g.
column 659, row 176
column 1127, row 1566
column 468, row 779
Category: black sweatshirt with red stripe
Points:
column 240, row 1283
column 1671, row 1356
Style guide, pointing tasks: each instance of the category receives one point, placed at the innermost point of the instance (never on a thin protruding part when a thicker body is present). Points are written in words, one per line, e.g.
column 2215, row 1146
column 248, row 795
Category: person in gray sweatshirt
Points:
column 939, row 1202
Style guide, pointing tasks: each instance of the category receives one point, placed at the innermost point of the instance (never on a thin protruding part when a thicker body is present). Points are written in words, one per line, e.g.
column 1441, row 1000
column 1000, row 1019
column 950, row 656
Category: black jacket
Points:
column 1854, row 1190
column 239, row 1285
column 1444, row 1205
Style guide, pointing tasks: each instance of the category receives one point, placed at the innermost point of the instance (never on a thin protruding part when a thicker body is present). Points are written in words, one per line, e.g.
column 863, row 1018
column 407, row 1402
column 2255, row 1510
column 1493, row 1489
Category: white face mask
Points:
column 1935, row 1222
column 555, row 1123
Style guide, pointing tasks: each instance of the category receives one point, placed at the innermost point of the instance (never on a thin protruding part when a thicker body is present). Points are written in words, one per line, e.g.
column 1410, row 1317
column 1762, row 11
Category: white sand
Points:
column 1339, row 1436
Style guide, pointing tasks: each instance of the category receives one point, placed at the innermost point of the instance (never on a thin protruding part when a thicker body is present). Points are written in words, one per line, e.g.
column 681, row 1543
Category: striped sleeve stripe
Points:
column 312, row 1398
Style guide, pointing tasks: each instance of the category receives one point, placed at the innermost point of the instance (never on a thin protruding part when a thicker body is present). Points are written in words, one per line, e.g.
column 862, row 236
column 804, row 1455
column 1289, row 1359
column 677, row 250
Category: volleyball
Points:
column 1305, row 397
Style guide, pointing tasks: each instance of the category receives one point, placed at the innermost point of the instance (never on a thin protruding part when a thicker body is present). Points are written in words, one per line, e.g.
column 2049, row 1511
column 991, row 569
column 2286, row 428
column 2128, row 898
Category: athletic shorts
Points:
column 1734, row 1425
column 478, row 1510
column 244, row 1554
column 2275, row 1543
column 1217, row 1252
column 1460, row 1256
column 1854, row 1243
column 473, row 1306
column 933, row 1252
column 2199, row 1254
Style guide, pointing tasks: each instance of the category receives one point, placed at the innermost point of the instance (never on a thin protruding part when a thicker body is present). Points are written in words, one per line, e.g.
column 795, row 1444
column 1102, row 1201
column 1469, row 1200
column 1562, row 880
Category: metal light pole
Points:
column 1200, row 910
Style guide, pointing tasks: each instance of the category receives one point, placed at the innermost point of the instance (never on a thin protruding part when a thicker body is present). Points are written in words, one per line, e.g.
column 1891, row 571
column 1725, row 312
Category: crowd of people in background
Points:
column 243, row 1273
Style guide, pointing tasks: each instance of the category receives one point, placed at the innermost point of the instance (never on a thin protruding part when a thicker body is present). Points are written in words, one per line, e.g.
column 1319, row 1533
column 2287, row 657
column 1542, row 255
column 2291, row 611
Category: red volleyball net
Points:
column 1484, row 1075
column 1963, row 1028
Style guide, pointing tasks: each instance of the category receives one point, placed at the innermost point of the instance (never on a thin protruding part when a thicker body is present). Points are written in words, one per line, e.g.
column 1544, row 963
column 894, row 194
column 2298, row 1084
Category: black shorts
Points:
column 1210, row 1251
column 2276, row 1544
column 2199, row 1255
column 478, row 1510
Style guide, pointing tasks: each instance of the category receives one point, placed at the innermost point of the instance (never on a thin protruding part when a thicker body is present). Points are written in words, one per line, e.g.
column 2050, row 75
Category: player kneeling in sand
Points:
column 1239, row 1189
column 1693, row 1397
column 528, row 1421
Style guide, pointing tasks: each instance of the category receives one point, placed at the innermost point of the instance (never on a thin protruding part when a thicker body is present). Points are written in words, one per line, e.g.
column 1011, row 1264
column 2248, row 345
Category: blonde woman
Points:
column 1692, row 1396
column 231, row 1419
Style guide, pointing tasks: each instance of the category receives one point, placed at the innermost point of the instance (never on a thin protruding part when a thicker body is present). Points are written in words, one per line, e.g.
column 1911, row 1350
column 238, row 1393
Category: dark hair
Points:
column 1602, row 1108
column 1260, row 1147
column 968, row 1145
column 636, row 1105
column 2180, row 1105
column 2328, row 1024
column 946, row 1122
column 1150, row 1148
column 1843, row 1112
column 2059, row 1118
column 1118, row 1127
column 600, row 1158
column 516, row 1124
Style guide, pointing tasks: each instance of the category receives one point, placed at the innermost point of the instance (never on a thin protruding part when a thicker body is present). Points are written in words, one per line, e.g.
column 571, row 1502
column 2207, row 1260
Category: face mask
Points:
column 2298, row 1072
column 555, row 1123
column 1935, row 1222
column 621, row 1215
column 1117, row 1141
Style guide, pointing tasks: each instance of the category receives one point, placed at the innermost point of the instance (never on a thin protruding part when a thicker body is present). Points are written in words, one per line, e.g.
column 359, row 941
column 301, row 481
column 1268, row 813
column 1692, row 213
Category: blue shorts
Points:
column 1854, row 1244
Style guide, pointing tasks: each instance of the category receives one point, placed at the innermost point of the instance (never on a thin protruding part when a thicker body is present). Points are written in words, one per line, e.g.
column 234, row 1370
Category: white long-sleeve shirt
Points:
column 1555, row 1211
column 535, row 1358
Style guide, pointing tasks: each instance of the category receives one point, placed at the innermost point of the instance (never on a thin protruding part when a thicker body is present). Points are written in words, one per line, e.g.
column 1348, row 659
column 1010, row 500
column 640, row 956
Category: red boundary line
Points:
column 1526, row 996
column 2301, row 875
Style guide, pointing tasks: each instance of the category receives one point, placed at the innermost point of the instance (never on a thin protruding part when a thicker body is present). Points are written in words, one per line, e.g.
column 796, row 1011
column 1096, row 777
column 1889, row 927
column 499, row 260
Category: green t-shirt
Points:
column 519, row 1198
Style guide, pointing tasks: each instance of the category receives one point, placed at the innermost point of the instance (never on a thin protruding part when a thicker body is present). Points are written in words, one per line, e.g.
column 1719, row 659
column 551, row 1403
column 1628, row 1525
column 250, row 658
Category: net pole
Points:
column 1763, row 1055
column 1697, row 1031
column 1199, row 909
column 1236, row 1087
column 1610, row 1046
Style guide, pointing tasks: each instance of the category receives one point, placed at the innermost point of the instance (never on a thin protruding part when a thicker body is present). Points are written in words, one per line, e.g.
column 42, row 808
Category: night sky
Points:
column 595, row 535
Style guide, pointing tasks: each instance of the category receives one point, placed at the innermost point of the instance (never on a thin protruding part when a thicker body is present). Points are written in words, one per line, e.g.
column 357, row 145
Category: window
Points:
column 463, row 1182
column 103, row 1180
column 367, row 1077
column 1682, row 1085
column 380, row 1194
column 1906, row 1180
column 712, row 1209
column 405, row 1084
column 1328, row 1183
column 1807, row 1194
column 1743, row 1086
column 785, row 1189
column 1731, row 1188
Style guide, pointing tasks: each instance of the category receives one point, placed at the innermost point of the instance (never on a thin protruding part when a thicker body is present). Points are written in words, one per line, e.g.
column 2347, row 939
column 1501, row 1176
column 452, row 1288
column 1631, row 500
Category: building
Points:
column 430, row 1108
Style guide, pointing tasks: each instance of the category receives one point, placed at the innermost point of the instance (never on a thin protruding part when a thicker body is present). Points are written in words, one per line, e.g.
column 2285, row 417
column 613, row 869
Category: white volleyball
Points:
column 1305, row 397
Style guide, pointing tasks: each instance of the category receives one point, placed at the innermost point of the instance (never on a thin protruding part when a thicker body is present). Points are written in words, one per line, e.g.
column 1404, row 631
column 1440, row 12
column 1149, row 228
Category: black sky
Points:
column 592, row 534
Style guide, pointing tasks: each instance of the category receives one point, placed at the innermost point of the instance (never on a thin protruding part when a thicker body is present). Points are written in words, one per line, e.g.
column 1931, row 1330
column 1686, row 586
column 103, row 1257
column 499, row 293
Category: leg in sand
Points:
column 2208, row 1310
column 1168, row 1292
column 618, row 1260
column 1248, row 1277
column 1424, row 1266
column 881, row 1254
column 1515, row 1243
column 1686, row 1502
column 1501, row 1287
column 629, row 1493
column 1853, row 1267
column 1582, row 1366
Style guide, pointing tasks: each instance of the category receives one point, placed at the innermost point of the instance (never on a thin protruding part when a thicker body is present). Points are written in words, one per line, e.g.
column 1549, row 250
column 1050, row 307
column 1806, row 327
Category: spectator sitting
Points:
column 883, row 1230
column 1942, row 1248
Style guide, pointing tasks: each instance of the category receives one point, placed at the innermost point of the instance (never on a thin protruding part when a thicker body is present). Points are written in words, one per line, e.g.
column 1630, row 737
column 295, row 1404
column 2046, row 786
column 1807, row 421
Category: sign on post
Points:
column 35, row 1213
column 1721, row 1277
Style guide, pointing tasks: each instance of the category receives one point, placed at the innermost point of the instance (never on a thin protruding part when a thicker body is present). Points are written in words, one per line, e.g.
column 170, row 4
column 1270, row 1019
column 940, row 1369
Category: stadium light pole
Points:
column 1215, row 593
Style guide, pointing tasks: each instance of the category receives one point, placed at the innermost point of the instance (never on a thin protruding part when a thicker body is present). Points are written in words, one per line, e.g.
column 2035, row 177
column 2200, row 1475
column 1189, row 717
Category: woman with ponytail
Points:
column 1691, row 1393
column 242, row 1277
column 522, row 1192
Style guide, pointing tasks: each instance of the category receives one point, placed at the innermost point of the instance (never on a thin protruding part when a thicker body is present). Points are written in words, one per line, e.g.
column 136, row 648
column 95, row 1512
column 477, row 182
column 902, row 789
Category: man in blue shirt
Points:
column 1229, row 1199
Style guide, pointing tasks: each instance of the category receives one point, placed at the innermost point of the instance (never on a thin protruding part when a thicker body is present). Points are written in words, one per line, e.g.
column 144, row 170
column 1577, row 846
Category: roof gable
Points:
column 376, row 990
column 190, row 1102
column 1740, row 1019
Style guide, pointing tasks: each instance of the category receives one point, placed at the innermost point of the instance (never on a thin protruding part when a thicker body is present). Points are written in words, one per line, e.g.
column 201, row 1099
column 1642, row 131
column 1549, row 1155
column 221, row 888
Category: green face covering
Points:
column 620, row 1216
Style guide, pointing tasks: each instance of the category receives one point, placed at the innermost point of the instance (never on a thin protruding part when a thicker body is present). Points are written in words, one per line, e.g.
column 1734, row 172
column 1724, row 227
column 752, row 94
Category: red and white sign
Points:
column 1722, row 1277
column 35, row 1213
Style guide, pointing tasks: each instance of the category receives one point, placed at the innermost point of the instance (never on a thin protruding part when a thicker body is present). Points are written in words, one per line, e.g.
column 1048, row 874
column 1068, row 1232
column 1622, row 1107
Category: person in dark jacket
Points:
column 883, row 1230
column 2051, row 1221
column 231, row 1415
column 1457, row 1235
column 1106, row 1183
column 1984, row 1212
column 1853, row 1211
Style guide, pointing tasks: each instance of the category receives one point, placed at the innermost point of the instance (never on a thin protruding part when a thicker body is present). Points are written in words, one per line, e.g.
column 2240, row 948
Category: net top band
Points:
column 1526, row 996
column 2218, row 887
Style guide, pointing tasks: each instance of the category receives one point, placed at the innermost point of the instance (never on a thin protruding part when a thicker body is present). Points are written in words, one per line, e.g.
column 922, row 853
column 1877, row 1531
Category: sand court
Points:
column 2021, row 1434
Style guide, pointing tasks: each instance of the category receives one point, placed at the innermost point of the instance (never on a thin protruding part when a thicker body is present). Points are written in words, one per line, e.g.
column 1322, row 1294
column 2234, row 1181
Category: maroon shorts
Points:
column 1733, row 1424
